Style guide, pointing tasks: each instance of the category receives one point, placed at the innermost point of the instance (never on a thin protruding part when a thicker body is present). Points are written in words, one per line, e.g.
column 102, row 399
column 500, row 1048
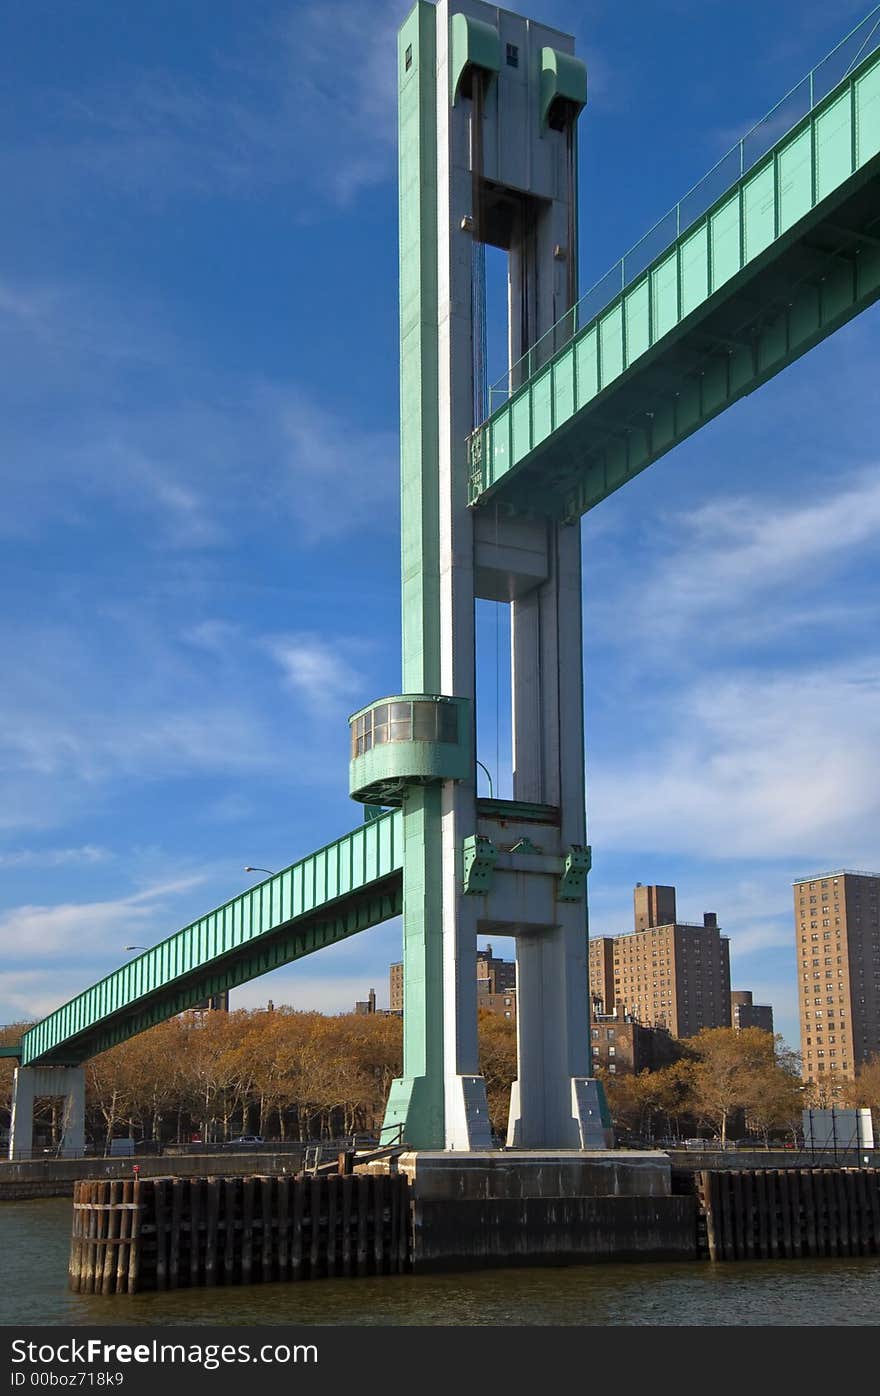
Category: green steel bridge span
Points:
column 775, row 260
column 353, row 883
column 723, row 294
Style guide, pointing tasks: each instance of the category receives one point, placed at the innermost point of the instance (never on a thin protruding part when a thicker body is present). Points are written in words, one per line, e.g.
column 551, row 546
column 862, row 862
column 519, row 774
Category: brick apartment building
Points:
column 665, row 973
column 837, row 934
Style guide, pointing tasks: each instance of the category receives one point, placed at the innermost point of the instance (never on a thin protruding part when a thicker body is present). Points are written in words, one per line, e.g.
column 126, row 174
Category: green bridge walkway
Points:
column 783, row 255
column 352, row 884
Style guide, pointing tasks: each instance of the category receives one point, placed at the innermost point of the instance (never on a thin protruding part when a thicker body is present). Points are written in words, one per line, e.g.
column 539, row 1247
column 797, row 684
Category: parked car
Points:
column 243, row 1141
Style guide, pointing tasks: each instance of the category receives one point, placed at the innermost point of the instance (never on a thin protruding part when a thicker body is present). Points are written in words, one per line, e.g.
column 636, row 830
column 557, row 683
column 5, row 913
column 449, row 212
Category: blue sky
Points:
column 198, row 531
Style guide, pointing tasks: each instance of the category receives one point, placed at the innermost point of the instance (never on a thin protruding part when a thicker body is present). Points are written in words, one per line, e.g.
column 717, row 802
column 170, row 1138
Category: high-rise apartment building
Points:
column 666, row 973
column 746, row 1014
column 837, row 933
column 395, row 987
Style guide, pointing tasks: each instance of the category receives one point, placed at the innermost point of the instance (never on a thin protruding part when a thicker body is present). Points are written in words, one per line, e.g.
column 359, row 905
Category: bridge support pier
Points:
column 488, row 156
column 32, row 1082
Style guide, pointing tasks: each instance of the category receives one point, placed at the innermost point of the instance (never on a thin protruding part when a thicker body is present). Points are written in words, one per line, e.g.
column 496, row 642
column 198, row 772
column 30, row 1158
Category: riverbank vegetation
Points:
column 284, row 1073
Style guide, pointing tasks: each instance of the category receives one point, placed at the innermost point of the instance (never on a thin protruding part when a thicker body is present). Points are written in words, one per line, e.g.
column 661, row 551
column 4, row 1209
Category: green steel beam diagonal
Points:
column 352, row 883
column 783, row 259
column 357, row 912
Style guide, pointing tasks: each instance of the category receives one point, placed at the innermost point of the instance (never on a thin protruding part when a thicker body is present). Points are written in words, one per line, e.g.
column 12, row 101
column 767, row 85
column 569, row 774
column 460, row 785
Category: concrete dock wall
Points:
column 53, row 1177
column 487, row 1232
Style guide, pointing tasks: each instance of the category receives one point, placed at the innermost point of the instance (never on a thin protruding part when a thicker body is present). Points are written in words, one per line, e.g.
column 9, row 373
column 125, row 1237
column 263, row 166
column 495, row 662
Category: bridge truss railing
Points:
column 803, row 98
column 195, row 962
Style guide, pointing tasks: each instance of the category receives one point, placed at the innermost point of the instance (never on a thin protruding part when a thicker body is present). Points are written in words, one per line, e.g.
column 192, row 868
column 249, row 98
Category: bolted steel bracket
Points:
column 475, row 452
column 480, row 856
column 572, row 883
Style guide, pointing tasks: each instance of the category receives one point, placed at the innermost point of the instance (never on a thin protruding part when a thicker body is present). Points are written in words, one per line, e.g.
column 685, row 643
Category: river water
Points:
column 35, row 1240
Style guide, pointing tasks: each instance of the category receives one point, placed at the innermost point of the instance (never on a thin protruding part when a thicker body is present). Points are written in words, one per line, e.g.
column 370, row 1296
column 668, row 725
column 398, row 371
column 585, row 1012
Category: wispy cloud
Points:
column 75, row 930
column 187, row 460
column 753, row 765
column 334, row 479
column 54, row 857
column 316, row 669
column 174, row 713
column 720, row 559
column 312, row 91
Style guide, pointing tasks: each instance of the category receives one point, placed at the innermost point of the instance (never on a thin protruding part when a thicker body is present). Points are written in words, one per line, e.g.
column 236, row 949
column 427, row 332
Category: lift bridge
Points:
column 774, row 250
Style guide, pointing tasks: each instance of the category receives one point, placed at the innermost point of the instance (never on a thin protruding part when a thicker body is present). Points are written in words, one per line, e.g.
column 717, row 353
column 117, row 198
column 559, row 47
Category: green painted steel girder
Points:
column 351, row 884
column 786, row 256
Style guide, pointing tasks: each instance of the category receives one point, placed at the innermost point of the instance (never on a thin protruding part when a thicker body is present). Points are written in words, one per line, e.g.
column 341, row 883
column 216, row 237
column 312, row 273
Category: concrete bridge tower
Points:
column 488, row 108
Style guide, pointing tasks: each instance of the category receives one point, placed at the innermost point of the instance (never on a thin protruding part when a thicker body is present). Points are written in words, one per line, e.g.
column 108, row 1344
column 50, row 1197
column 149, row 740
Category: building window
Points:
column 512, row 56
column 612, row 1051
column 407, row 59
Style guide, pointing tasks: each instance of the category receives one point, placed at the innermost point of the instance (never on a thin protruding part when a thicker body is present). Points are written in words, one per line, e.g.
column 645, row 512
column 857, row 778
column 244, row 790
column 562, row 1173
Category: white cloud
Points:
column 336, row 477
column 214, row 635
column 188, row 459
column 87, row 855
column 723, row 556
column 28, row 995
column 755, row 765
column 74, row 930
column 316, row 670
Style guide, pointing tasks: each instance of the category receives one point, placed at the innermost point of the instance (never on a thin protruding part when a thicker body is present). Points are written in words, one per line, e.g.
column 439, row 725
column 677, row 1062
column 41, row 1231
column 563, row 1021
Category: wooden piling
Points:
column 108, row 1259
column 332, row 1208
column 785, row 1213
column 347, row 1185
column 247, row 1229
column 377, row 1211
column 362, row 1194
column 162, row 1233
column 789, row 1213
column 405, row 1232
column 134, row 1252
column 212, row 1227
column 283, row 1227
column 92, row 1244
column 195, row 1230
column 797, row 1221
column 316, row 1190
column 299, row 1200
column 229, row 1219
column 74, row 1266
column 176, row 1188
column 268, row 1212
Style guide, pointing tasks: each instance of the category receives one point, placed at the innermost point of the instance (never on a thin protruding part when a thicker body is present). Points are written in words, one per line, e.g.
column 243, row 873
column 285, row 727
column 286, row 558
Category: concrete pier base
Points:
column 31, row 1082
column 539, row 1207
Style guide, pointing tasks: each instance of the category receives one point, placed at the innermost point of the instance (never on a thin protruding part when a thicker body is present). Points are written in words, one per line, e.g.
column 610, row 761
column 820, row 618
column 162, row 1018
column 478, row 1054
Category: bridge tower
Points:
column 488, row 109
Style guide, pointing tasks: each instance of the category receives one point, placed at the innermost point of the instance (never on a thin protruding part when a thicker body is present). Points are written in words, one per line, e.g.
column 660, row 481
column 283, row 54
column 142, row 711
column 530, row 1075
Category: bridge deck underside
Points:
column 350, row 885
column 627, row 389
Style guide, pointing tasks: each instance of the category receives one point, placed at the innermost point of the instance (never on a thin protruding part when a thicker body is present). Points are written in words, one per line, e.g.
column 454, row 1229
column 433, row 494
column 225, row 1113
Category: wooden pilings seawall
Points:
column 105, row 1237
column 172, row 1233
column 789, row 1213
